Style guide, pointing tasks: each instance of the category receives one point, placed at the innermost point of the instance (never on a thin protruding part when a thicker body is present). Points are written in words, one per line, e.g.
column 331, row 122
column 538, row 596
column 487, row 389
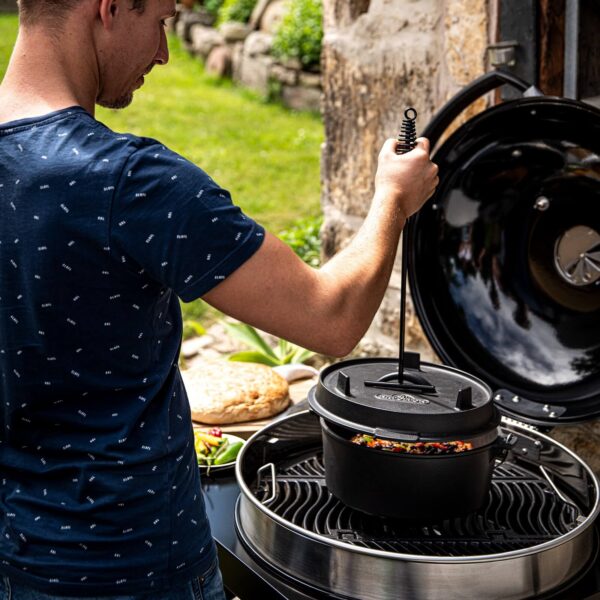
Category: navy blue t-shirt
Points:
column 100, row 234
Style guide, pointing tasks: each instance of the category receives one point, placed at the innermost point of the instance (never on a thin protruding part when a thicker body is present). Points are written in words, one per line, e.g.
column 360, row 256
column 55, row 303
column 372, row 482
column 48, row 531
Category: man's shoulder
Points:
column 147, row 151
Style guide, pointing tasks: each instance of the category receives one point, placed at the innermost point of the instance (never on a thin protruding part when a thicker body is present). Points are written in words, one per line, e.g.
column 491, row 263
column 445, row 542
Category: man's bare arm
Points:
column 329, row 309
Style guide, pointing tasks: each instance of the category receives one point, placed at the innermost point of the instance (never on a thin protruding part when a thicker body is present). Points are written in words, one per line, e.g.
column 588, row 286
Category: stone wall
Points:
column 380, row 56
column 8, row 6
column 243, row 52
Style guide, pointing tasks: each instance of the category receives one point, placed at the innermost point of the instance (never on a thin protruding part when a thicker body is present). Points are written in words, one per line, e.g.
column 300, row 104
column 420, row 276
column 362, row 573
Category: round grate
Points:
column 522, row 511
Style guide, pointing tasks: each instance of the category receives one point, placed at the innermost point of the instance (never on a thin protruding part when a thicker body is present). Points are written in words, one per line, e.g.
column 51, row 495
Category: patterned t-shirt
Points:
column 100, row 234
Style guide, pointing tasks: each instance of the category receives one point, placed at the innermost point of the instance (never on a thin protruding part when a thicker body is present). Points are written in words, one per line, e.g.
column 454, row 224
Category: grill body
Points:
column 532, row 536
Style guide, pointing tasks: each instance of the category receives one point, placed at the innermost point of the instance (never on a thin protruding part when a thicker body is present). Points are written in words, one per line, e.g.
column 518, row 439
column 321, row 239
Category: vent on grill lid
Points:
column 361, row 394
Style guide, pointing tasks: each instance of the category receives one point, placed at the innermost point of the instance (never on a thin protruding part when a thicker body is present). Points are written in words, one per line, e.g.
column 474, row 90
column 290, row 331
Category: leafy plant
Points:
column 303, row 238
column 213, row 6
column 236, row 10
column 192, row 328
column 284, row 353
column 300, row 32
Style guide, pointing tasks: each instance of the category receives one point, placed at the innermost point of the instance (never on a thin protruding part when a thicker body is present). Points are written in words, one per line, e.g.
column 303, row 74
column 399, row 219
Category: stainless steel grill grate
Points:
column 522, row 511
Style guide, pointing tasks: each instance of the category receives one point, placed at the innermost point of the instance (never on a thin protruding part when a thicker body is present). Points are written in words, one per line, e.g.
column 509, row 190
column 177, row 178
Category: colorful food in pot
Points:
column 427, row 448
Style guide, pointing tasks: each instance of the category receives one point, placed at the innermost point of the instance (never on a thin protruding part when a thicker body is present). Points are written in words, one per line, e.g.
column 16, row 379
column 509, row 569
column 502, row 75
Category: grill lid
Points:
column 363, row 395
column 505, row 262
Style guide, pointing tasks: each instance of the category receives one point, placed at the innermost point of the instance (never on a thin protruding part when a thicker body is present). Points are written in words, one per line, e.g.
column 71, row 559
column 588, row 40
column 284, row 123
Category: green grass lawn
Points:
column 266, row 155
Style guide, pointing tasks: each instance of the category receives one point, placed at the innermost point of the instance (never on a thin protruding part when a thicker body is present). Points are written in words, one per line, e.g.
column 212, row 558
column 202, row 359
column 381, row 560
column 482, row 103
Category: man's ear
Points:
column 108, row 10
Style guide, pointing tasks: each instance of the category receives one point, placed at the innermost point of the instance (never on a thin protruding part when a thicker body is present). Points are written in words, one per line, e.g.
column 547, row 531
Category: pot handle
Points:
column 501, row 447
column 477, row 88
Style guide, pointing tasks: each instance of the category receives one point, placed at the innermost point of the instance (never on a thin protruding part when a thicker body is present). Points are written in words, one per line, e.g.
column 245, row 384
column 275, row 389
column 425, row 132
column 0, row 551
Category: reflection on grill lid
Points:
column 505, row 265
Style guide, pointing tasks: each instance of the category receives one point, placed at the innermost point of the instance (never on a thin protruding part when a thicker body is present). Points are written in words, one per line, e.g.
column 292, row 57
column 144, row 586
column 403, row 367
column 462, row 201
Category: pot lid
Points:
column 505, row 260
column 362, row 394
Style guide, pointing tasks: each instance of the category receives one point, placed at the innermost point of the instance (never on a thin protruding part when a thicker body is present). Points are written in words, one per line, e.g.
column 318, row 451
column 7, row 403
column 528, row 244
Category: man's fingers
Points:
column 423, row 143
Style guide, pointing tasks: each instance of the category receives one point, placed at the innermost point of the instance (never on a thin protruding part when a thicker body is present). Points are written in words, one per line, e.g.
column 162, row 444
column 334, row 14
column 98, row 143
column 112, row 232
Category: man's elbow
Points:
column 338, row 345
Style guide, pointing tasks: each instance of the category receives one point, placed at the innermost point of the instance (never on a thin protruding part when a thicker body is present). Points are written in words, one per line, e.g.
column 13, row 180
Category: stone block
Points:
column 312, row 80
column 237, row 54
column 8, row 6
column 258, row 43
column 283, row 75
column 257, row 13
column 219, row 61
column 255, row 72
column 188, row 19
column 204, row 39
column 301, row 98
column 583, row 439
column 291, row 63
column 273, row 15
column 233, row 31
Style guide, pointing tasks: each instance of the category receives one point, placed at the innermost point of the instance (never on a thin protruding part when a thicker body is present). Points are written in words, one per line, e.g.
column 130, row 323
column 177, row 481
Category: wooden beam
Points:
column 552, row 46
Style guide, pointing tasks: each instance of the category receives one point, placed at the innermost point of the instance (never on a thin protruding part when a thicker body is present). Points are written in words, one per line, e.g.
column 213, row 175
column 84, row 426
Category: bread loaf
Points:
column 222, row 392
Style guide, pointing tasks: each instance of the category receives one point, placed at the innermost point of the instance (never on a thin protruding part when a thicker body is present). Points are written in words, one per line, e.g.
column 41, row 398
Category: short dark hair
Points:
column 32, row 12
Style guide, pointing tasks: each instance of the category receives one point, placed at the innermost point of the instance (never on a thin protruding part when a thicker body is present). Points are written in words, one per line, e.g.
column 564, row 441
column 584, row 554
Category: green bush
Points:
column 303, row 238
column 213, row 6
column 236, row 10
column 300, row 33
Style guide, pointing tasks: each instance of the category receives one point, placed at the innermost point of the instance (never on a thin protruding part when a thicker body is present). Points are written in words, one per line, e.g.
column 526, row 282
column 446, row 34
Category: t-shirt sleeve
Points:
column 172, row 220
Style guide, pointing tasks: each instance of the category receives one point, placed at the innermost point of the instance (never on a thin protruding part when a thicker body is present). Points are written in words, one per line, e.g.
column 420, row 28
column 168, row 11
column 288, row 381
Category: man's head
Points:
column 121, row 39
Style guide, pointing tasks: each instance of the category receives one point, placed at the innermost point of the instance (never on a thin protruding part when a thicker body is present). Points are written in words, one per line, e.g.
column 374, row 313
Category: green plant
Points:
column 303, row 238
column 300, row 32
column 284, row 353
column 213, row 6
column 236, row 10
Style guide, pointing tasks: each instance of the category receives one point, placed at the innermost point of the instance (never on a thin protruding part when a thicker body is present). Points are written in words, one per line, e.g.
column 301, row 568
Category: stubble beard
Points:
column 120, row 102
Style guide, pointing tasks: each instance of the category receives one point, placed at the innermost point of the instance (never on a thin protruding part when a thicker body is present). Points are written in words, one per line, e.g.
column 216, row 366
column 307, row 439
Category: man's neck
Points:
column 43, row 76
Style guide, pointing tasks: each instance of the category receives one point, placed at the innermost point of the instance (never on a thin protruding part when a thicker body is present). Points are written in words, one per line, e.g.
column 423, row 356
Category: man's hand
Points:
column 406, row 179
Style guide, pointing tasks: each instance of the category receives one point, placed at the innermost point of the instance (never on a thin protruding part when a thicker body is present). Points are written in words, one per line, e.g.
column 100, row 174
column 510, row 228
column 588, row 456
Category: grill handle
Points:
column 477, row 88
column 270, row 466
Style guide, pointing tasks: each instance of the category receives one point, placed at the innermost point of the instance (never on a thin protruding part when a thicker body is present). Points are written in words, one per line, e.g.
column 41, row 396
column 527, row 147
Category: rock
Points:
column 291, row 63
column 255, row 72
column 219, row 61
column 233, row 31
column 236, row 60
column 257, row 13
column 204, row 39
column 583, row 439
column 170, row 23
column 258, row 43
column 301, row 98
column 283, row 75
column 339, row 14
column 188, row 19
column 193, row 346
column 273, row 15
column 312, row 80
column 8, row 6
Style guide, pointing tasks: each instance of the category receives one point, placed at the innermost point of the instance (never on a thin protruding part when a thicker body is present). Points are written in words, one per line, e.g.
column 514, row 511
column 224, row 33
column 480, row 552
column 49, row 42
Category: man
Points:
column 100, row 233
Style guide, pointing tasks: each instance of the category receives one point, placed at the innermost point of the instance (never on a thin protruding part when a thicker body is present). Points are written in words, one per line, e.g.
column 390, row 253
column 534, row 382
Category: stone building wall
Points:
column 380, row 56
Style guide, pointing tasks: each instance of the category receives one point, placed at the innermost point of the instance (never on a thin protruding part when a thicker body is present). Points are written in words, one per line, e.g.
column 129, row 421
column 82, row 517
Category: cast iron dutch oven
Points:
column 504, row 268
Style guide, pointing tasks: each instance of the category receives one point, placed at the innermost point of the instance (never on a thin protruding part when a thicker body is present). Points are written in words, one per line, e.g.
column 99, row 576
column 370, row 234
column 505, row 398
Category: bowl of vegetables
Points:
column 216, row 450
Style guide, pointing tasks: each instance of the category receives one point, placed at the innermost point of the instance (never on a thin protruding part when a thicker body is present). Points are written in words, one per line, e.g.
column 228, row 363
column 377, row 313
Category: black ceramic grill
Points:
column 521, row 511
